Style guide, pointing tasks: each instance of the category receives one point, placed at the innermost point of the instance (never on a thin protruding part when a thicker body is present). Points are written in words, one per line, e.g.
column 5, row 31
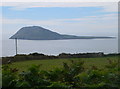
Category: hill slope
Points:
column 39, row 33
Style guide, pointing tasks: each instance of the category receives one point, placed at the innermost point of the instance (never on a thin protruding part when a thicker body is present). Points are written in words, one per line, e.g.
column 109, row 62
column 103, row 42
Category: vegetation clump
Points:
column 71, row 76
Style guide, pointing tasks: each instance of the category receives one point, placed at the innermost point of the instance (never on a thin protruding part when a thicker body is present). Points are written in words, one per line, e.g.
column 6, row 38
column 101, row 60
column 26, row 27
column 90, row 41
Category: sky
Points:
column 75, row 18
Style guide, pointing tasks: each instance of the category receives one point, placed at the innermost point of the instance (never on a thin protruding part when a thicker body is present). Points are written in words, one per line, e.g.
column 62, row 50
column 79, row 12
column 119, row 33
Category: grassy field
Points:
column 58, row 63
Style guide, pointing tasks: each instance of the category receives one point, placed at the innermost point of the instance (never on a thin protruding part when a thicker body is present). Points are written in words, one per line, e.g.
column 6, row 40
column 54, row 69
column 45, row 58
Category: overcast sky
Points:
column 83, row 18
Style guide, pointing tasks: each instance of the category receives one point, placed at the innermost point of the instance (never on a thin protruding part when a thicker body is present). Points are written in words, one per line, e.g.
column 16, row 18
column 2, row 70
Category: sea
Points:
column 55, row 47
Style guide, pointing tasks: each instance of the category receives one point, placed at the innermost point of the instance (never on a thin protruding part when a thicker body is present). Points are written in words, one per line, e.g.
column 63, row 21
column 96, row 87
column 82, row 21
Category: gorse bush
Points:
column 72, row 76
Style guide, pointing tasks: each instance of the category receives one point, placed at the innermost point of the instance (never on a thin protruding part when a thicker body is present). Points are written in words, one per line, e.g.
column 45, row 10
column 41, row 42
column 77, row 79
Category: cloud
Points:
column 107, row 6
column 105, row 17
column 90, row 25
column 28, row 21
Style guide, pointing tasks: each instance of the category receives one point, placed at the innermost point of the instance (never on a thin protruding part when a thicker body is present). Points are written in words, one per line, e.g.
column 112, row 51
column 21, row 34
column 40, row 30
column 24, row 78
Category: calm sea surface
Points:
column 54, row 47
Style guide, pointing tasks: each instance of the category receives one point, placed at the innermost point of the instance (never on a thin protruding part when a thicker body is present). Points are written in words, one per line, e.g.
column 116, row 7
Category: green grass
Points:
column 58, row 63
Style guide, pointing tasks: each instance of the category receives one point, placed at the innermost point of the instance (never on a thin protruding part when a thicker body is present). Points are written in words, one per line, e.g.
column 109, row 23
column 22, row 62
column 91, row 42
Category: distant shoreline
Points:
column 69, row 39
column 115, row 53
column 40, row 33
column 39, row 56
column 82, row 37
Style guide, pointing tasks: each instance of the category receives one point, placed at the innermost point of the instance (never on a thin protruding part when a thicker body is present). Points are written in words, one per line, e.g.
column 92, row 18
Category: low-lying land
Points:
column 37, row 56
column 50, row 64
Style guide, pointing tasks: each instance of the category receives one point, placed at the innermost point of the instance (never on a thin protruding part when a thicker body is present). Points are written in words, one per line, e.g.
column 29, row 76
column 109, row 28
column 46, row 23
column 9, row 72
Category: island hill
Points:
column 40, row 33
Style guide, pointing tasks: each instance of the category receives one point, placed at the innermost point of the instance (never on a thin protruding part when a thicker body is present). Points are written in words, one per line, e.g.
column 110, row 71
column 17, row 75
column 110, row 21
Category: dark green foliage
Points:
column 72, row 76
column 32, row 78
column 8, row 76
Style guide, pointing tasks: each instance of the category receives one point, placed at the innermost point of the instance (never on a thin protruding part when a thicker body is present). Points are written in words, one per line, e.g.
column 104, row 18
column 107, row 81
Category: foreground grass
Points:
column 58, row 63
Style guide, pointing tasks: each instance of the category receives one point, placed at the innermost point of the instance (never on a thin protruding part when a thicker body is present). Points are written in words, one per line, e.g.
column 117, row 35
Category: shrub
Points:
column 71, row 76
